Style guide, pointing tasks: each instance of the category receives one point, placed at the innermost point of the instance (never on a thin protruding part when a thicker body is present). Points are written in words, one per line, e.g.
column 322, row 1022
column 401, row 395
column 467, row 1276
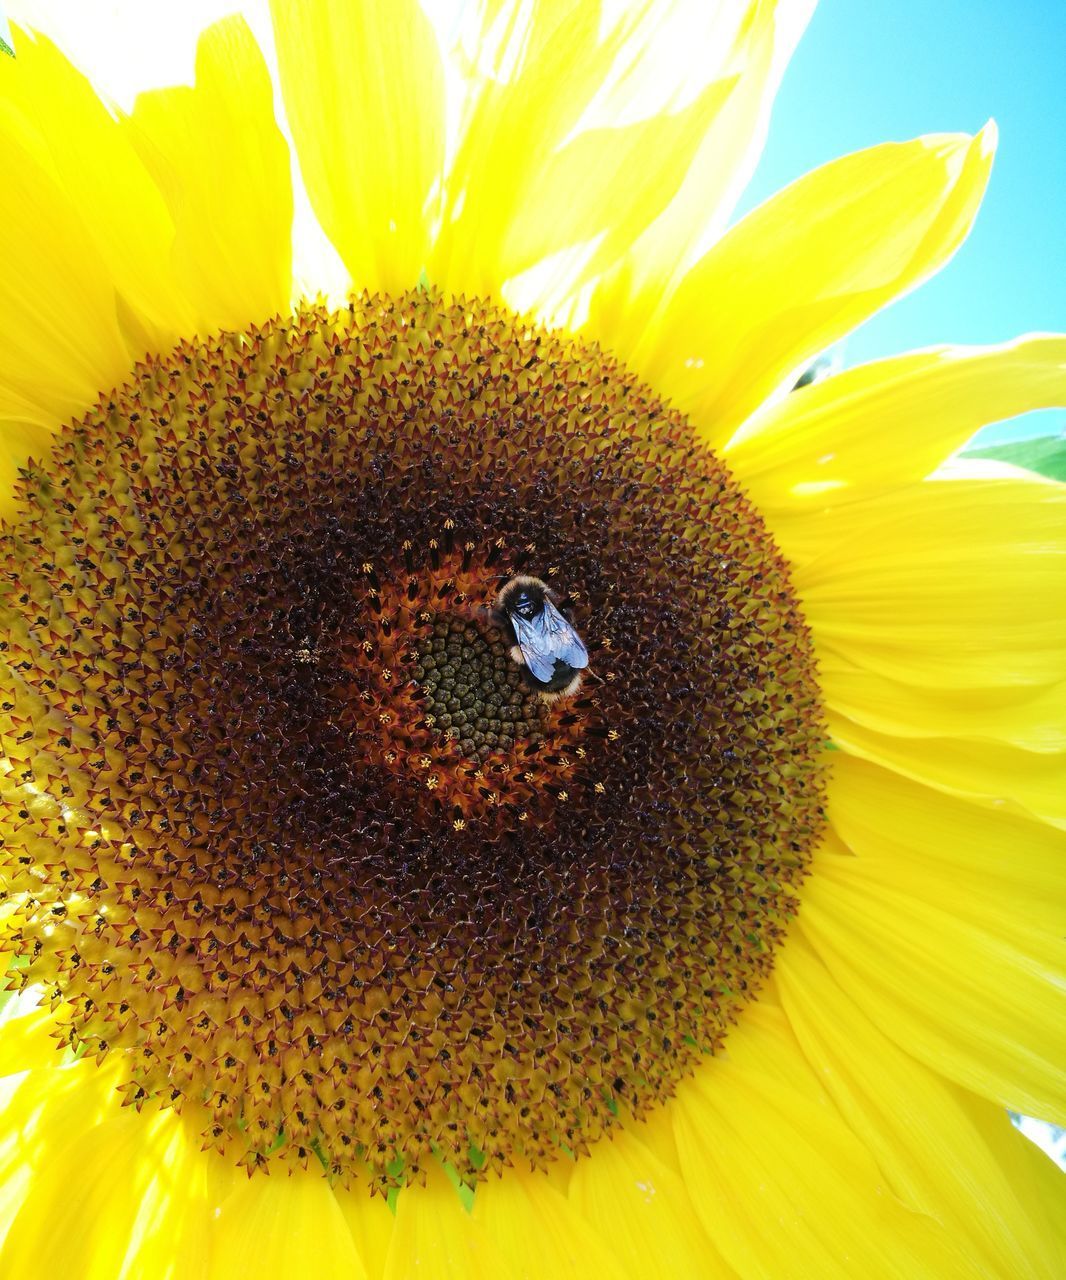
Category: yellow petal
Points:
column 1039, row 1177
column 953, row 975
column 951, row 584
column 281, row 1226
column 808, row 266
column 364, row 94
column 755, row 53
column 544, row 69
column 89, row 1234
column 371, row 1222
column 993, row 774
column 656, row 1132
column 888, row 423
column 538, row 1233
column 171, row 1236
column 436, row 1236
column 940, row 609
column 1033, row 719
column 60, row 342
column 950, row 848
column 917, row 1125
column 223, row 167
column 96, row 167
column 43, row 1111
column 27, row 1042
column 643, row 1208
column 781, row 1184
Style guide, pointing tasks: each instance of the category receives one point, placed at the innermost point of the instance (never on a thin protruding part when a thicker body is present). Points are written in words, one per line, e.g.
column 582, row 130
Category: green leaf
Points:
column 6, row 48
column 1044, row 454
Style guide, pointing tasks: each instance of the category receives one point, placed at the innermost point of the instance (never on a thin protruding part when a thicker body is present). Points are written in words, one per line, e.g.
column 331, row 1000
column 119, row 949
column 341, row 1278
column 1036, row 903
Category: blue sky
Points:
column 868, row 71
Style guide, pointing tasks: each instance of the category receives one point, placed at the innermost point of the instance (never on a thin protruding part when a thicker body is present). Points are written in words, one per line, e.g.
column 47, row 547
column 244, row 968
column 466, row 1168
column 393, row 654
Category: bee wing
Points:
column 546, row 638
column 535, row 641
column 567, row 644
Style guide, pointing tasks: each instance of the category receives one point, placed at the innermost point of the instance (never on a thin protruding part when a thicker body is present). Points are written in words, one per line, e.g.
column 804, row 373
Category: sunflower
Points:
column 493, row 782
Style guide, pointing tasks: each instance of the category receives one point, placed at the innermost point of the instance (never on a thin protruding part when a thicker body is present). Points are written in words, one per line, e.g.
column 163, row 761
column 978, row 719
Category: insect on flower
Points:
column 545, row 642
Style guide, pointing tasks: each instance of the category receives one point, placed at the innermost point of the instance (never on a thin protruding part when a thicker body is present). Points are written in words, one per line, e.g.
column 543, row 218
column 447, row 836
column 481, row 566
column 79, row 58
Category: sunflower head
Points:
column 335, row 866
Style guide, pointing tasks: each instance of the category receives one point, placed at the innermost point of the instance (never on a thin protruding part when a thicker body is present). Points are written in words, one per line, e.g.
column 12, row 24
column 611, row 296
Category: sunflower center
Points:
column 474, row 693
column 293, row 826
column 427, row 677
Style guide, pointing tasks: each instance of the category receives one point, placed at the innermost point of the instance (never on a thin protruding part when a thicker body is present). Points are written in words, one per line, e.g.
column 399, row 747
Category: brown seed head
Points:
column 285, row 828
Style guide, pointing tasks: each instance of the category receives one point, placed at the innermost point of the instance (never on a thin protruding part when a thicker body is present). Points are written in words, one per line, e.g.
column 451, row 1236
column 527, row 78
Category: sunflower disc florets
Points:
column 293, row 833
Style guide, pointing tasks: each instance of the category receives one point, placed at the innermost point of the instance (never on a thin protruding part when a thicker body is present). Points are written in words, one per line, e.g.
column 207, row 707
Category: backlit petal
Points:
column 436, row 1236
column 755, row 54
column 111, row 193
column 643, row 1208
column 919, row 1127
column 781, row 1184
column 223, row 167
column 364, row 93
column 283, row 1227
column 951, row 968
column 884, row 424
column 807, row 267
column 538, row 1232
column 60, row 341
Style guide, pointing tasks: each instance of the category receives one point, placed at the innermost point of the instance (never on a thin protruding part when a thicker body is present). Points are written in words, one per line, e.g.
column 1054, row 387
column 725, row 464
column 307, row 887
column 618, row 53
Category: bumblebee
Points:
column 543, row 641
